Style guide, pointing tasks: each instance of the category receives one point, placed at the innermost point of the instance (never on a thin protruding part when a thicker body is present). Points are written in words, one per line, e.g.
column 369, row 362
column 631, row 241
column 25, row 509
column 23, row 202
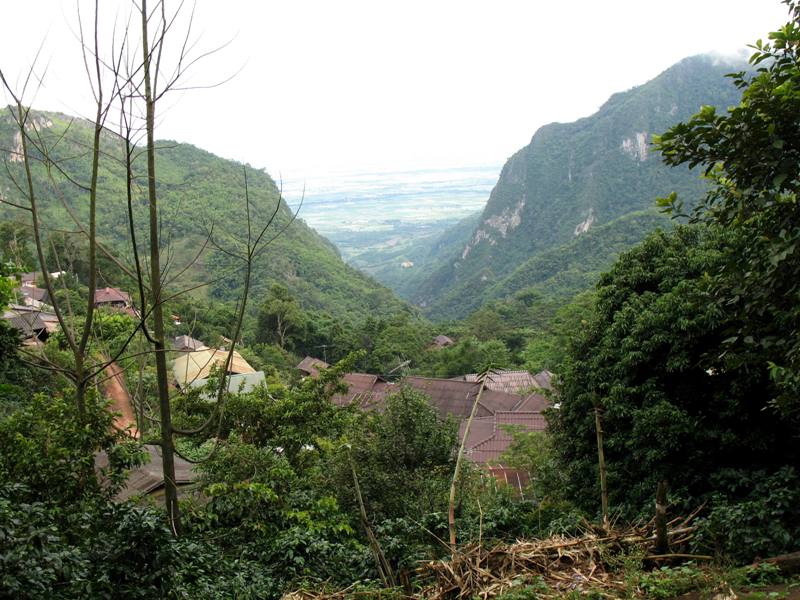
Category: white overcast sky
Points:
column 348, row 85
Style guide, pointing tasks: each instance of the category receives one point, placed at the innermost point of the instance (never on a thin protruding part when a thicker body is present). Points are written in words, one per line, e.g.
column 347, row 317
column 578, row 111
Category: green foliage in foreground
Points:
column 751, row 156
column 674, row 406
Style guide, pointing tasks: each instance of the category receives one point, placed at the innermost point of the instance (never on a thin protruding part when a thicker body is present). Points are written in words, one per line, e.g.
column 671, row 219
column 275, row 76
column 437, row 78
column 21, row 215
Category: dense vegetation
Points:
column 201, row 194
column 686, row 353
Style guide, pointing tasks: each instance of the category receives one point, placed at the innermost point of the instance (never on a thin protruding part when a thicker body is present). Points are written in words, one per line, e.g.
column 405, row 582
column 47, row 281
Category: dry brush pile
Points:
column 556, row 565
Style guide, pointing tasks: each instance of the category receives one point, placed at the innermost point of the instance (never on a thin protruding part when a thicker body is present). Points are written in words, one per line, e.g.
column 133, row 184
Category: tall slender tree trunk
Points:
column 451, row 507
column 167, row 448
column 601, row 462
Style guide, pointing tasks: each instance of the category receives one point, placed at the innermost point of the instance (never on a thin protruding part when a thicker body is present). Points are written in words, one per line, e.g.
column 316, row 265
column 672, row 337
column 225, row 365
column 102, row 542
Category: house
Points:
column 27, row 279
column 310, row 366
column 34, row 325
column 33, row 296
column 115, row 299
column 148, row 479
column 109, row 297
column 513, row 382
column 442, row 341
column 185, row 343
column 488, row 436
column 193, row 366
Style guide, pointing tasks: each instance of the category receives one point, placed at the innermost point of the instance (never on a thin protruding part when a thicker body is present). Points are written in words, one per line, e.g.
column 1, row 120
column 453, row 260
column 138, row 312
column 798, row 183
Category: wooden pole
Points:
column 451, row 507
column 384, row 568
column 662, row 541
column 601, row 459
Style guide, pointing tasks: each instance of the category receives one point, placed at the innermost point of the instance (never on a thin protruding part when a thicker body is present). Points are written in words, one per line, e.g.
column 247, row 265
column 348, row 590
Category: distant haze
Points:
column 326, row 86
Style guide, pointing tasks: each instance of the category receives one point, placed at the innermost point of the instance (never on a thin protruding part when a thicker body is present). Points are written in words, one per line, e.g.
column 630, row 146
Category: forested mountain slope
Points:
column 573, row 178
column 558, row 273
column 199, row 193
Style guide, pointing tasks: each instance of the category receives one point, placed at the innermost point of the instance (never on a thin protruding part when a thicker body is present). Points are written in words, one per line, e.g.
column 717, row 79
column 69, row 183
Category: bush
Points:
column 764, row 522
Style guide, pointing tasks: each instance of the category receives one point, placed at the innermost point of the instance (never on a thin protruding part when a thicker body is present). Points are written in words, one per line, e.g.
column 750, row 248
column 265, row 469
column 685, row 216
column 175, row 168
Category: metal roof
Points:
column 192, row 366
column 442, row 341
column 149, row 477
column 185, row 342
column 490, row 448
column 311, row 366
column 31, row 323
column 511, row 382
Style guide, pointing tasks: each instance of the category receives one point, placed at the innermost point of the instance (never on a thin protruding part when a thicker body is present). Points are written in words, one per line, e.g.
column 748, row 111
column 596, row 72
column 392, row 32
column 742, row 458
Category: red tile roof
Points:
column 487, row 438
column 513, row 382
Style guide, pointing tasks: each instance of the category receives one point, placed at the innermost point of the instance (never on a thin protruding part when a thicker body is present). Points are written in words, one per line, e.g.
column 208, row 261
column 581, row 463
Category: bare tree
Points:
column 132, row 80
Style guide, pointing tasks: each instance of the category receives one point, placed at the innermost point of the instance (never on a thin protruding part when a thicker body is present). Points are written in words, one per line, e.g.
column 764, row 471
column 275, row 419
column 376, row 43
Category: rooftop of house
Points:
column 34, row 293
column 29, row 321
column 513, row 382
column 191, row 366
column 442, row 340
column 311, row 366
column 149, row 477
column 110, row 295
column 183, row 343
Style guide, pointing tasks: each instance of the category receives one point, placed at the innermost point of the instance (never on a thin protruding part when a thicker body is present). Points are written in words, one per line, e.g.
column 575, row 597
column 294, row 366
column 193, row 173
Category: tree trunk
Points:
column 451, row 510
column 662, row 541
column 601, row 460
column 167, row 448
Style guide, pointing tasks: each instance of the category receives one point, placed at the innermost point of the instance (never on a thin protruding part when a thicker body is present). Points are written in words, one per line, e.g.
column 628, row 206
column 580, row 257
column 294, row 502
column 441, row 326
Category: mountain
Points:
column 560, row 272
column 573, row 178
column 199, row 193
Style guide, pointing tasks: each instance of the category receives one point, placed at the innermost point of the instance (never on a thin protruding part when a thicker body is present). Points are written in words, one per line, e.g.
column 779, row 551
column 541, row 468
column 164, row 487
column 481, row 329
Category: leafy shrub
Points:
column 759, row 516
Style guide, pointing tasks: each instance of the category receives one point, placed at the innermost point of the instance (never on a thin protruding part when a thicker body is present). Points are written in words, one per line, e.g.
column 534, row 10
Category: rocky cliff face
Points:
column 573, row 177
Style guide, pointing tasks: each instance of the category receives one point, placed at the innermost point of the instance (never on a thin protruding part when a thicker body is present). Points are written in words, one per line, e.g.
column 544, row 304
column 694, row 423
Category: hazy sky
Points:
column 348, row 85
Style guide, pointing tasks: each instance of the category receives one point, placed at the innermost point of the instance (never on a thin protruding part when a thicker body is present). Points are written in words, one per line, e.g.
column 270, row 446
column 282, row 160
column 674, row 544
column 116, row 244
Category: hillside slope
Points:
column 574, row 177
column 199, row 193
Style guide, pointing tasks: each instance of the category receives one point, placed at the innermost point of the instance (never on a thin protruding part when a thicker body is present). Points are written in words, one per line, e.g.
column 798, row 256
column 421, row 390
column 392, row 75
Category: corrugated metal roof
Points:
column 544, row 379
column 33, row 292
column 533, row 403
column 456, row 398
column 31, row 322
column 192, row 366
column 442, row 341
column 511, row 382
column 487, row 439
column 311, row 366
column 515, row 478
column 150, row 476
column 489, row 448
column 186, row 342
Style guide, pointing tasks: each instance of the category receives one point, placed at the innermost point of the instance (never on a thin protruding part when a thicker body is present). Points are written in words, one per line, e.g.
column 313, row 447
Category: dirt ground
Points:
column 113, row 387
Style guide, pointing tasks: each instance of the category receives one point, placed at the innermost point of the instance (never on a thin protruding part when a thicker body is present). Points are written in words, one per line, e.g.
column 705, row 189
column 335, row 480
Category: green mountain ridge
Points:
column 572, row 178
column 560, row 272
column 199, row 193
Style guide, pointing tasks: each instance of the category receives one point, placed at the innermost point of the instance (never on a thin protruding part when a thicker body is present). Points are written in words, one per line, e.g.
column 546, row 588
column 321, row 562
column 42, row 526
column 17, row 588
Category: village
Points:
column 513, row 400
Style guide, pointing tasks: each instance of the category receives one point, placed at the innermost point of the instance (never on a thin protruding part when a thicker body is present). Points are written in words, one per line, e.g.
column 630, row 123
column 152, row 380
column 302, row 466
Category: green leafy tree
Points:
column 751, row 154
column 674, row 405
column 15, row 245
column 279, row 317
column 404, row 458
